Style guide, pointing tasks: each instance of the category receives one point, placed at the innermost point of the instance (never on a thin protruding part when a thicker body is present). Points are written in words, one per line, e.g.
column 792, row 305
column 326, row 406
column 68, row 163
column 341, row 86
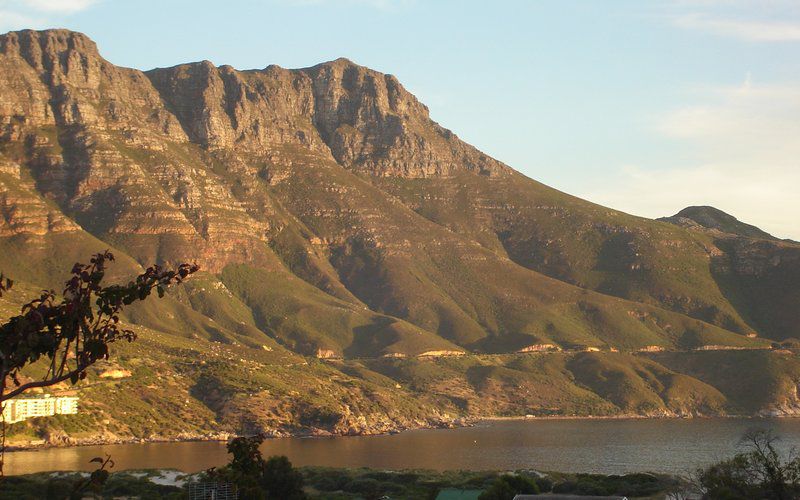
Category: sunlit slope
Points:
column 160, row 393
column 331, row 216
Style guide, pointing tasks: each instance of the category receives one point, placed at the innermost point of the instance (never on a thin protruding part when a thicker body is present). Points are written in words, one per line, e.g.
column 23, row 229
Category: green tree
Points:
column 759, row 472
column 507, row 486
column 259, row 479
column 281, row 480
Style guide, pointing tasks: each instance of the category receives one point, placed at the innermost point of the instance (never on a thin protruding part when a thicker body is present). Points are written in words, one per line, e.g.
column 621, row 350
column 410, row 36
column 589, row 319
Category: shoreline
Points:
column 320, row 433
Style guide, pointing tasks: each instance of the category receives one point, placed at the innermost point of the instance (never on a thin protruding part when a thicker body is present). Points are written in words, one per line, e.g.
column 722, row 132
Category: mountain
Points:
column 334, row 220
column 715, row 219
column 758, row 271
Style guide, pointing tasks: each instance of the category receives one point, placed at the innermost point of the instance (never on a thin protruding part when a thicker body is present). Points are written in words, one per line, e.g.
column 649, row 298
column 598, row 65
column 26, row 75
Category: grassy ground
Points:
column 335, row 484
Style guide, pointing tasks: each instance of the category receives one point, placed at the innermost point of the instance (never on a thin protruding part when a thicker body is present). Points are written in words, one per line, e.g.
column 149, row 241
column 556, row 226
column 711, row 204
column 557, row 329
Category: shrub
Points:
column 365, row 486
column 280, row 480
column 507, row 486
column 565, row 487
column 544, row 484
column 760, row 472
column 329, row 480
column 257, row 478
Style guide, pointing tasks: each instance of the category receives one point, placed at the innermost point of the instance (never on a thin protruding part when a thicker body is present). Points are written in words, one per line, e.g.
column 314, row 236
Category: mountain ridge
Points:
column 713, row 218
column 337, row 112
column 334, row 219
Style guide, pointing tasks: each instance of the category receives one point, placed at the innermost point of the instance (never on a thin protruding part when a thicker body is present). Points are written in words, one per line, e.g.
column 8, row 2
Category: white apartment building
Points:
column 17, row 410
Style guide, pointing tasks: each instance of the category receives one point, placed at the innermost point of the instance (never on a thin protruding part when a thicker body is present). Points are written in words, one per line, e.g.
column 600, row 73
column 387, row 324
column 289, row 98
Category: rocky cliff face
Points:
column 363, row 119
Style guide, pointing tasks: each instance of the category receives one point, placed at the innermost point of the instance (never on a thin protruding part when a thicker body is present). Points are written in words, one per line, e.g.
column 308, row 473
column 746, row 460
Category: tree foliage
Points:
column 96, row 480
column 74, row 330
column 256, row 478
column 507, row 486
column 760, row 472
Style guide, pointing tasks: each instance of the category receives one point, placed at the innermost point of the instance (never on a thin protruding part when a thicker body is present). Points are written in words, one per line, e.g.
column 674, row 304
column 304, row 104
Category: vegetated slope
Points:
column 757, row 272
column 333, row 218
column 278, row 170
column 166, row 387
column 766, row 382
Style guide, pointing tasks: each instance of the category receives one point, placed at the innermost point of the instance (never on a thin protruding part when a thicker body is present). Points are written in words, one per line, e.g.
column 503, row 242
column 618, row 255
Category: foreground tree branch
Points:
column 74, row 332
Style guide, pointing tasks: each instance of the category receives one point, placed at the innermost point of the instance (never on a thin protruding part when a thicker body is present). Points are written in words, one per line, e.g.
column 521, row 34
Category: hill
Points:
column 714, row 218
column 756, row 271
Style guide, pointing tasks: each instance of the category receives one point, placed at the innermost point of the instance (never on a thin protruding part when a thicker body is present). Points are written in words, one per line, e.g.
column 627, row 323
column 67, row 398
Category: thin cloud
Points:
column 747, row 159
column 741, row 124
column 375, row 4
column 11, row 20
column 764, row 196
column 24, row 14
column 754, row 31
column 57, row 6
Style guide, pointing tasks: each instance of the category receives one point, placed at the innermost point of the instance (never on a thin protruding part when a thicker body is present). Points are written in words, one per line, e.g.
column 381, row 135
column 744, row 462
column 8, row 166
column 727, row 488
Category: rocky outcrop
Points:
column 757, row 258
column 115, row 373
column 224, row 108
column 366, row 120
column 96, row 139
column 24, row 212
column 372, row 124
column 440, row 353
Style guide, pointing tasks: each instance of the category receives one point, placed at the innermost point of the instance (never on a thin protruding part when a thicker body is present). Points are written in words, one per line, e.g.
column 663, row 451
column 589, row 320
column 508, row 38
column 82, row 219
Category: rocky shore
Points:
column 59, row 439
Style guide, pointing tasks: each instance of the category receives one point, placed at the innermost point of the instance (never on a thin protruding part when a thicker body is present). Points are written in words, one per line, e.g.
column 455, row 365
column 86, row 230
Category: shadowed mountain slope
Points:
column 757, row 272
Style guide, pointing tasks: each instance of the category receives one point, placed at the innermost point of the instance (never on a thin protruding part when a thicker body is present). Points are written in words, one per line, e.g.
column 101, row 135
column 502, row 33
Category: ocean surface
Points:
column 677, row 446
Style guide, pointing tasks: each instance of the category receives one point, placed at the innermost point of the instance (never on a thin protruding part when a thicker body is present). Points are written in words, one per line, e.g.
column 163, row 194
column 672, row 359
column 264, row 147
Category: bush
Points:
column 507, row 486
column 381, row 476
column 499, row 490
column 363, row 485
column 592, row 487
column 544, row 484
column 56, row 488
column 565, row 487
column 407, row 477
column 256, row 478
column 631, row 485
column 329, row 480
column 638, row 485
column 372, row 488
column 760, row 472
column 280, row 480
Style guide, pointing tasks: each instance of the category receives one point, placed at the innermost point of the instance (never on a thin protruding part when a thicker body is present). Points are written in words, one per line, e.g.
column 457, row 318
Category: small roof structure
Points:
column 457, row 494
column 555, row 496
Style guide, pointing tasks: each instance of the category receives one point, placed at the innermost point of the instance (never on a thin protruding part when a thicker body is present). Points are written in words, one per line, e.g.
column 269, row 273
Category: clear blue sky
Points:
column 646, row 106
